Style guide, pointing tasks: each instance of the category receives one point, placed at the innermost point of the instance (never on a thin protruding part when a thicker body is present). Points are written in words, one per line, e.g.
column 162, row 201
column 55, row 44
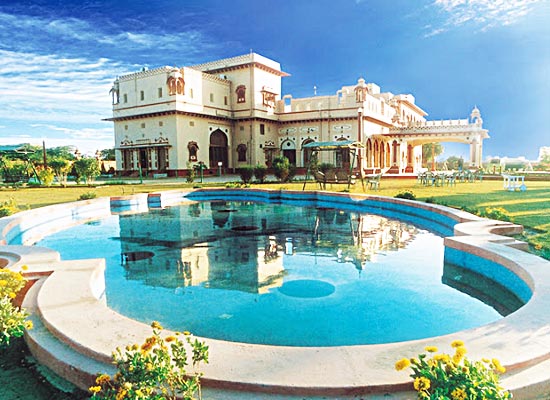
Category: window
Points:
column 125, row 127
column 262, row 129
column 241, row 94
column 241, row 152
column 143, row 124
column 161, row 123
column 241, row 128
column 211, row 97
column 142, row 95
column 224, row 100
column 193, row 149
column 191, row 93
column 159, row 92
column 191, row 123
column 125, row 98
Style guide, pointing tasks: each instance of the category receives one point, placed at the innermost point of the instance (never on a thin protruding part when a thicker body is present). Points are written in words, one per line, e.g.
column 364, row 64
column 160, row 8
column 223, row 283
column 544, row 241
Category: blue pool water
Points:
column 276, row 273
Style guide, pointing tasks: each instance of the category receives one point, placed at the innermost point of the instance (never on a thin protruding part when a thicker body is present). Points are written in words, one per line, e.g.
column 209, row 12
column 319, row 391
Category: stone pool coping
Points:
column 71, row 304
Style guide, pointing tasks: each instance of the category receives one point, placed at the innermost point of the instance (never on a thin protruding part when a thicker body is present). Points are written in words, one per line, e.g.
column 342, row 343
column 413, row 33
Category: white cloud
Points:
column 482, row 14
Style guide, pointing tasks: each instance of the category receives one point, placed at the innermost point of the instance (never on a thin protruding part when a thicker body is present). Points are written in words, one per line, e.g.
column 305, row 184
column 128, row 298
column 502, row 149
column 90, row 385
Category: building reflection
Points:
column 243, row 245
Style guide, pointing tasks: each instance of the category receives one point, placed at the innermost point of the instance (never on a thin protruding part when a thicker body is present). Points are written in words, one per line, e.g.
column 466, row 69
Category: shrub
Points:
column 260, row 173
column 155, row 370
column 12, row 319
column 431, row 200
column 281, row 166
column 8, row 207
column 325, row 167
column 88, row 196
column 407, row 194
column 442, row 376
column 246, row 172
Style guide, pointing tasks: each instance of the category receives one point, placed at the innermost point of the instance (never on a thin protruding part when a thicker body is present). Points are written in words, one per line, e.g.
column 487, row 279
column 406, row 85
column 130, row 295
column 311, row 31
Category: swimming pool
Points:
column 279, row 273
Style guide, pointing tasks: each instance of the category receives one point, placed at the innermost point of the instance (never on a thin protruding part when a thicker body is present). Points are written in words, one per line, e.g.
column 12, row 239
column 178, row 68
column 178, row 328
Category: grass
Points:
column 530, row 208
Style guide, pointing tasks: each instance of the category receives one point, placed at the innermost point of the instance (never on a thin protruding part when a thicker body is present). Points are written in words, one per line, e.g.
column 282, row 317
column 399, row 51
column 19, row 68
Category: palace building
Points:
column 232, row 112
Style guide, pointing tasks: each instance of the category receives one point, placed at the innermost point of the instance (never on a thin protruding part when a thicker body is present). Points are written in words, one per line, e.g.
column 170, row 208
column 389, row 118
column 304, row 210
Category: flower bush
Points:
column 155, row 370
column 13, row 320
column 441, row 376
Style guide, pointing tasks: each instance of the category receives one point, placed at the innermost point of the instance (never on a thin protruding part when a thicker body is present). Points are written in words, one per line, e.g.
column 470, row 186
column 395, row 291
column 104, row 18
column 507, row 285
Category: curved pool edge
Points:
column 71, row 307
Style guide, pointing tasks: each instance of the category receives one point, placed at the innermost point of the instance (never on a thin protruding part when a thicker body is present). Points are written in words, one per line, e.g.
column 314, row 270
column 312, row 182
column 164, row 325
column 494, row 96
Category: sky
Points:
column 58, row 59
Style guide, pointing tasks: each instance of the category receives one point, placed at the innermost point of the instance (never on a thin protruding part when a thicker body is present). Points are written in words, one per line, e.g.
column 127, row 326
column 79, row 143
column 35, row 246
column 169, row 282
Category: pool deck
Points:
column 76, row 331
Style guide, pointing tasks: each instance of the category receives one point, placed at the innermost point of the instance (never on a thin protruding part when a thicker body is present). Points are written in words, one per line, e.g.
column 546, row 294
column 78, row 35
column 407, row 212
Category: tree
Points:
column 61, row 168
column 64, row 152
column 107, row 154
column 428, row 151
column 455, row 162
column 88, row 168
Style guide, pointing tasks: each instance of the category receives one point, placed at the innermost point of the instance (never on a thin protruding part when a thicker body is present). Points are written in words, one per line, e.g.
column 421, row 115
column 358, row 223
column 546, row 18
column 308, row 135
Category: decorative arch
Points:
column 218, row 151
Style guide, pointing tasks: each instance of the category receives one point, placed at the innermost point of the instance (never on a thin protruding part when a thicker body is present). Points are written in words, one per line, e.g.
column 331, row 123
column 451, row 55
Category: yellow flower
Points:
column 94, row 389
column 3, row 282
column 431, row 349
column 121, row 394
column 28, row 325
column 24, row 267
column 156, row 325
column 421, row 384
column 12, row 295
column 170, row 339
column 457, row 343
column 498, row 366
column 102, row 379
column 127, row 385
column 442, row 357
column 402, row 364
column 458, row 394
column 460, row 352
column 186, row 333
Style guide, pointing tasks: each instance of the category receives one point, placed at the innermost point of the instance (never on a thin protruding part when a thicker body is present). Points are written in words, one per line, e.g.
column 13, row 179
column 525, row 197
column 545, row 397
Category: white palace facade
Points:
column 231, row 112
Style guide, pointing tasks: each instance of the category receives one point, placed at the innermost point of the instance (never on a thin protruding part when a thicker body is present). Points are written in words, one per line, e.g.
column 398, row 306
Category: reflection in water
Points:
column 242, row 245
column 482, row 288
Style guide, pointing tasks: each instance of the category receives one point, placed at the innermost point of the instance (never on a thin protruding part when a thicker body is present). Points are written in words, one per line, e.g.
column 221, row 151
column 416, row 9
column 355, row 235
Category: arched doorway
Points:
column 306, row 153
column 218, row 149
column 289, row 151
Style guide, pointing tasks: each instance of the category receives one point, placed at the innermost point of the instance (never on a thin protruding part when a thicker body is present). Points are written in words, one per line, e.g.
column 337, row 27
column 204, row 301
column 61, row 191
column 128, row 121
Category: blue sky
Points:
column 58, row 58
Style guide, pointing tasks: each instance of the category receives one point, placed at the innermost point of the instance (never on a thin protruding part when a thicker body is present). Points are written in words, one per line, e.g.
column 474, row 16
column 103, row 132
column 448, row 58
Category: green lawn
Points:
column 530, row 208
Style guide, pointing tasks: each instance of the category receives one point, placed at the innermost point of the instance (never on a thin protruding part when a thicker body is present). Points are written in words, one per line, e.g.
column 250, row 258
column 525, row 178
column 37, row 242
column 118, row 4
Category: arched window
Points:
column 175, row 85
column 193, row 149
column 241, row 152
column 241, row 93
